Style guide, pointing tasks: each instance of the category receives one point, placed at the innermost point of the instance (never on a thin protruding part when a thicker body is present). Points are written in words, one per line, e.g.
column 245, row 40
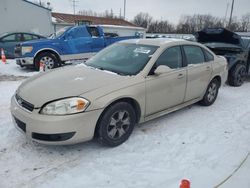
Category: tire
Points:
column 116, row 124
column 211, row 93
column 49, row 59
column 237, row 75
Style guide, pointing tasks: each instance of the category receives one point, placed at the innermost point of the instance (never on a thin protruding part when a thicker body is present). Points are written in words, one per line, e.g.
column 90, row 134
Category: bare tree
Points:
column 245, row 22
column 191, row 24
column 105, row 14
column 235, row 25
column 143, row 20
column 161, row 27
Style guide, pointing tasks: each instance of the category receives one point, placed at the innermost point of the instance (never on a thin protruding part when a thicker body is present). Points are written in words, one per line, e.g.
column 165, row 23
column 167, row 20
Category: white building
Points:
column 110, row 25
column 25, row 16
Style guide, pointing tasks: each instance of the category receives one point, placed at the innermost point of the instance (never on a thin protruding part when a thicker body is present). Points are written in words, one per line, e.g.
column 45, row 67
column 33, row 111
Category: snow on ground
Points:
column 11, row 68
column 203, row 144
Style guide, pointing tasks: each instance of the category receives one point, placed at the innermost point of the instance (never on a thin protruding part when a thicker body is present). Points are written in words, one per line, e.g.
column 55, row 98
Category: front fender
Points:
column 135, row 92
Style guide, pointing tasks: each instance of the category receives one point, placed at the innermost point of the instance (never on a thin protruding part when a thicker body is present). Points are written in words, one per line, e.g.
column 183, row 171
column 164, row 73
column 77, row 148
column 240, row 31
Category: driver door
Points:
column 168, row 89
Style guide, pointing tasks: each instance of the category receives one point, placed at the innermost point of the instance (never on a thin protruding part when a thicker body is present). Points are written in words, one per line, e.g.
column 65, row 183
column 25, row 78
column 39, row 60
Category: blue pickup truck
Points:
column 70, row 43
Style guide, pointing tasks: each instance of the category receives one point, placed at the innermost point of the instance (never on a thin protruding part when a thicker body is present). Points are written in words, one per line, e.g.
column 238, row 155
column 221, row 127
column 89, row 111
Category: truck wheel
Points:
column 116, row 124
column 211, row 93
column 237, row 75
column 50, row 61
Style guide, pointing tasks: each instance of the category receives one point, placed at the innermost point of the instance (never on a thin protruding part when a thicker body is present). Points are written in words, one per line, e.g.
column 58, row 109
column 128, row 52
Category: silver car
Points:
column 125, row 84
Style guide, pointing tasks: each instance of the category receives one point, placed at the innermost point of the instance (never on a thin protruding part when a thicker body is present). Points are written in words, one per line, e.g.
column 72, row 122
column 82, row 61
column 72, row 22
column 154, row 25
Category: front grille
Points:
column 28, row 106
column 20, row 124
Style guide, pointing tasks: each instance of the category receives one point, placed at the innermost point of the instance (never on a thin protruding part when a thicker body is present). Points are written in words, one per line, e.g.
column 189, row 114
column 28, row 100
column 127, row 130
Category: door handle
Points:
column 180, row 76
column 208, row 68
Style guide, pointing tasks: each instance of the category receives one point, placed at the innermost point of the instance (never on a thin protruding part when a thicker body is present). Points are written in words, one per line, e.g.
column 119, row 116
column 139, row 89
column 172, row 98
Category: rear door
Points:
column 198, row 72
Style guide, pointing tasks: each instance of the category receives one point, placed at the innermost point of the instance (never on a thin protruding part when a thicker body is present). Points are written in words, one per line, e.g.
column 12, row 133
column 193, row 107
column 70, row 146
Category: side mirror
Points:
column 162, row 69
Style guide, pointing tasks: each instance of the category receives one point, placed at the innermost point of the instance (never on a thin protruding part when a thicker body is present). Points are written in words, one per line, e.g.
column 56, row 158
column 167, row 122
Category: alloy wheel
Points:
column 118, row 125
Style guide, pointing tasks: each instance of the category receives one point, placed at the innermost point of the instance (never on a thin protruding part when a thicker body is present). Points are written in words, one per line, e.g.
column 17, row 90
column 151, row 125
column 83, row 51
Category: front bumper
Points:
column 54, row 130
column 27, row 61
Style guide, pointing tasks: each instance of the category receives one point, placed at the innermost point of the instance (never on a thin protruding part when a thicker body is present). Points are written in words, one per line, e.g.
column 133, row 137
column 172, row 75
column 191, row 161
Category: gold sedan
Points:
column 125, row 84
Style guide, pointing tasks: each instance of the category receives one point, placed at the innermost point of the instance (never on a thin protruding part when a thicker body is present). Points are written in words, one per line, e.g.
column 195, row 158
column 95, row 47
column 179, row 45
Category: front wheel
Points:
column 116, row 124
column 211, row 93
column 48, row 59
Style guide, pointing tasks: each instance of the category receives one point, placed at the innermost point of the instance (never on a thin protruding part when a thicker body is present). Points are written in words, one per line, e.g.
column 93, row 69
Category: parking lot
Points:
column 207, row 145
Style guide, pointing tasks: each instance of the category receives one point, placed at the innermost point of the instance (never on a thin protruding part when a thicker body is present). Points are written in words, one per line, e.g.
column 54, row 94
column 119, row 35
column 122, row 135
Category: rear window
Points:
column 27, row 37
column 208, row 55
column 194, row 54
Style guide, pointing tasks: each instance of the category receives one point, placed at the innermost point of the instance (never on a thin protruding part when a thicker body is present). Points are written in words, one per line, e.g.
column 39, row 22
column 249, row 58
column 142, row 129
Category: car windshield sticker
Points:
column 142, row 50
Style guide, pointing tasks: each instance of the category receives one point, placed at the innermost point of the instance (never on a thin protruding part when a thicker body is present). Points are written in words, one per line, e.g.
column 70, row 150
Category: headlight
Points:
column 65, row 106
column 26, row 49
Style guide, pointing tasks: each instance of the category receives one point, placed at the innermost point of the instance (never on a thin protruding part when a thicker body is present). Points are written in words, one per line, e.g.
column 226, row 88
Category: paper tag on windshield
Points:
column 142, row 50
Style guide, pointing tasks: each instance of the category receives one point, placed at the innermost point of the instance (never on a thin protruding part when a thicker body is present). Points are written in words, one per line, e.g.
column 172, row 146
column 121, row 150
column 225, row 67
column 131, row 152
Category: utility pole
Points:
column 74, row 8
column 231, row 15
column 124, row 16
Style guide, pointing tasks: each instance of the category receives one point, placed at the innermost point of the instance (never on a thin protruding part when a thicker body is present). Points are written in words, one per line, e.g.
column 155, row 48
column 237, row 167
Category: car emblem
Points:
column 19, row 101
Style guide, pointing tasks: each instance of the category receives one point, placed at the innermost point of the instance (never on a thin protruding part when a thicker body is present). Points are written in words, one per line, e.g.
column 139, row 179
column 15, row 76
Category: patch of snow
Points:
column 11, row 68
column 202, row 144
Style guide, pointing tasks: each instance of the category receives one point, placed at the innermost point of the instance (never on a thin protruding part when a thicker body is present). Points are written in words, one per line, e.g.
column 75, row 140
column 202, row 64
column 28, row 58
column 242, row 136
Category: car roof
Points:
column 16, row 32
column 158, row 41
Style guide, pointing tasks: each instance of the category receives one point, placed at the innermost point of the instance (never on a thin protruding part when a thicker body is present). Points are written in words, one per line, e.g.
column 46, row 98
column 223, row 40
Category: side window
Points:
column 76, row 33
column 194, row 54
column 35, row 37
column 171, row 57
column 27, row 37
column 208, row 55
column 93, row 31
column 10, row 38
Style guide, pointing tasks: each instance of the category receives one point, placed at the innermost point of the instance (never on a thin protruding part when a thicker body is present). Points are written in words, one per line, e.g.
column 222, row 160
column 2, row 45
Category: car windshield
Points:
column 122, row 58
column 59, row 33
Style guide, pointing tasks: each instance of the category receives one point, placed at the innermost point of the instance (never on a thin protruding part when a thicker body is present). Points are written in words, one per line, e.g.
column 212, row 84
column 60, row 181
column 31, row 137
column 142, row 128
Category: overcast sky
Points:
column 171, row 10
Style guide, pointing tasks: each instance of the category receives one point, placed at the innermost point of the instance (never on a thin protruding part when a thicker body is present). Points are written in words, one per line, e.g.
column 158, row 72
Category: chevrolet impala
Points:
column 127, row 83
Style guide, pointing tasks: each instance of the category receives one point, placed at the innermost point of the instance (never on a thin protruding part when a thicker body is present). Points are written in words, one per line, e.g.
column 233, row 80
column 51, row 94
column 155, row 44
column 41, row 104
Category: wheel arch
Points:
column 134, row 103
column 50, row 50
column 218, row 78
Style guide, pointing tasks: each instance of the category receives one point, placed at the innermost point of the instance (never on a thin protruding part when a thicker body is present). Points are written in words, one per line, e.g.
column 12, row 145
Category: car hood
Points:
column 65, row 82
column 220, row 35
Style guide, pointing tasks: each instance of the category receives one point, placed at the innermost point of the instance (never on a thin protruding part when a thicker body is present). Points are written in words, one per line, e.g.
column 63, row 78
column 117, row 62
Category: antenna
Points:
column 231, row 15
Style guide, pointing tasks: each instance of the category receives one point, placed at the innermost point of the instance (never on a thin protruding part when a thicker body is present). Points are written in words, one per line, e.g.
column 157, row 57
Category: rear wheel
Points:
column 116, row 124
column 237, row 75
column 211, row 93
column 48, row 59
